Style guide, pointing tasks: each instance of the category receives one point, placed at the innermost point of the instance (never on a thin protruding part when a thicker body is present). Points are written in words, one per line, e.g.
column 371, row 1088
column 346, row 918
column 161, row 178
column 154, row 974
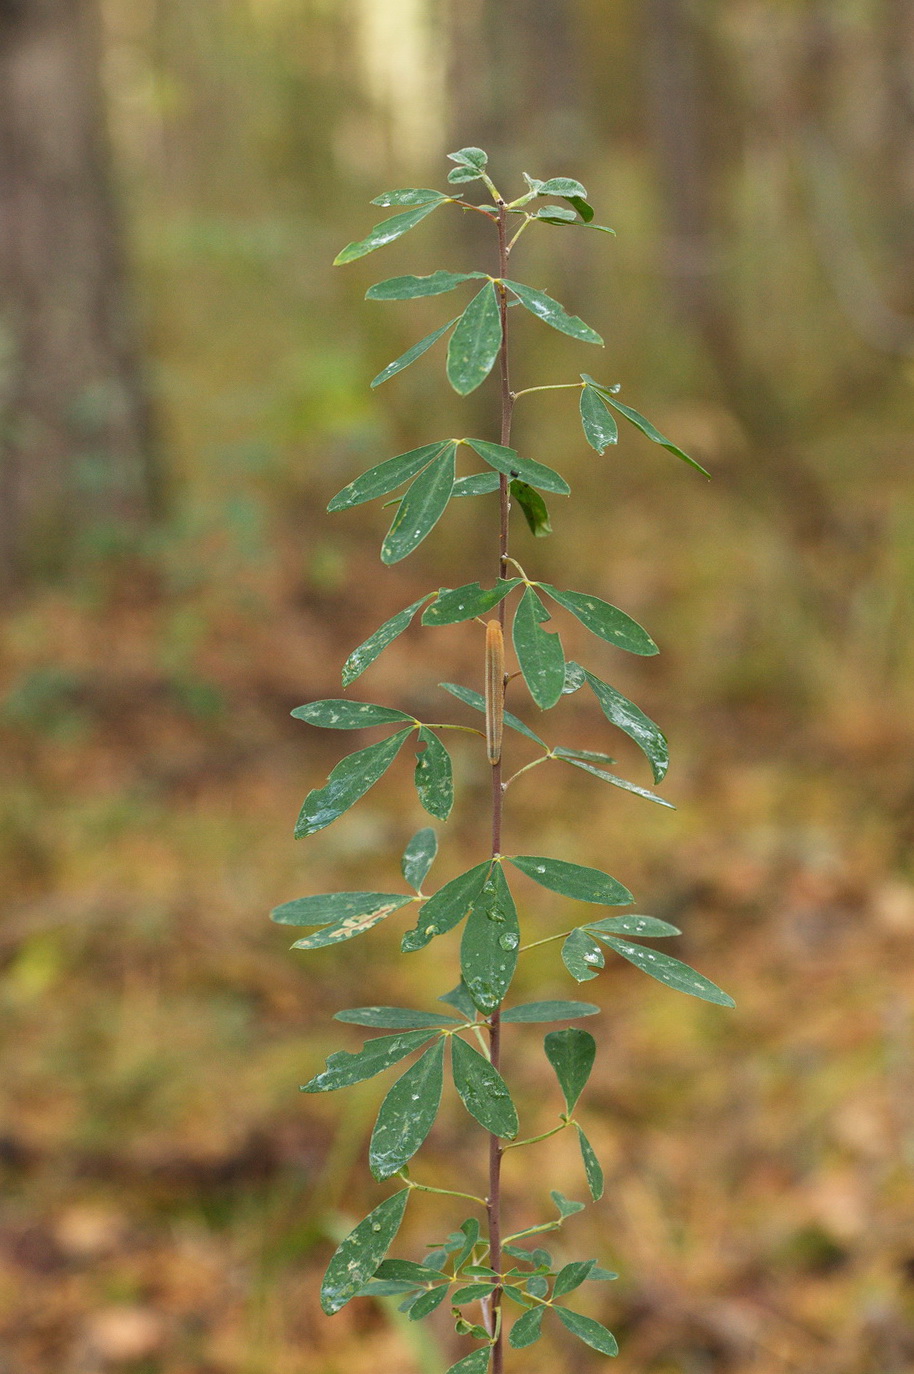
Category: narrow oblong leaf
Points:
column 491, row 937
column 475, row 342
column 387, row 476
column 617, row 782
column 344, row 1068
column 328, row 908
column 572, row 880
column 471, row 1293
column 418, row 857
column 393, row 1018
column 599, row 427
column 529, row 1012
column 571, row 1276
column 592, row 1167
column 539, row 653
column 407, row 1271
column 671, row 971
column 349, row 780
column 477, row 484
column 527, row 1329
column 407, row 1113
column 536, row 512
column 582, row 956
column 411, row 354
column 434, row 776
column 550, row 312
column 359, row 1255
column 590, row 755
column 410, row 288
column 584, row 209
column 592, row 1333
column 376, row 643
column 604, row 620
column 477, row 701
column 465, row 603
column 422, row 506
column 571, row 1053
column 348, row 927
column 477, row 1362
column 482, row 1090
column 344, row 714
column 556, row 214
column 509, row 461
column 428, row 1301
column 385, row 232
column 629, row 718
column 410, row 195
column 648, row 926
column 447, row 907
column 638, row 420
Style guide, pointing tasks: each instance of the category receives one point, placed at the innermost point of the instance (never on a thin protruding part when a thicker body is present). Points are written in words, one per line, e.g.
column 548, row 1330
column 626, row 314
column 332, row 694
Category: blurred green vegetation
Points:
column 169, row 1200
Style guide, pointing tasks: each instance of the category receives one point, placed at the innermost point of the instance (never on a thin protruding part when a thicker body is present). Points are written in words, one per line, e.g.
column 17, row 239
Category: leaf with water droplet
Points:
column 545, row 308
column 333, row 908
column 349, row 780
column 385, row 232
column 529, row 1012
column 599, row 427
column 360, row 1254
column 382, row 1052
column 487, row 966
column 434, row 776
column 624, row 714
column 477, row 1362
column 482, row 1090
column 407, row 1113
column 648, row 926
column 418, row 857
column 387, row 476
column 343, row 714
column 582, row 956
column 474, row 344
column 412, row 354
column 408, row 288
column 527, row 1329
column 465, row 603
column 591, row 1332
column 671, row 971
column 604, row 620
column 447, row 907
column 394, row 1018
column 592, row 1166
column 572, row 880
column 423, row 504
column 571, row 1053
column 509, row 461
column 539, row 653
column 376, row 643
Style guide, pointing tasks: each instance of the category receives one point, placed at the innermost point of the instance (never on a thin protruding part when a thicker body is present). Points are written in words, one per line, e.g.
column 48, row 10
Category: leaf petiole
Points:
column 533, row 1139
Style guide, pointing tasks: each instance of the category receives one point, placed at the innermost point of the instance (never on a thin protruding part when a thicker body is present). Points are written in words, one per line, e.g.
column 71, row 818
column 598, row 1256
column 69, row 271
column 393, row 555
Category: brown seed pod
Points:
column 495, row 690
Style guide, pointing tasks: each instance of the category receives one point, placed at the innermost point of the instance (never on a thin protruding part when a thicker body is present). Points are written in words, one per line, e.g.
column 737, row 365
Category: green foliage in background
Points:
column 476, row 1268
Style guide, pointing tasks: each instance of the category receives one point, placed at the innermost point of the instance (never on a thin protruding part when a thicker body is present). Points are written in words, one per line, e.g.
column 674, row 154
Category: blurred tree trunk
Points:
column 76, row 451
column 686, row 124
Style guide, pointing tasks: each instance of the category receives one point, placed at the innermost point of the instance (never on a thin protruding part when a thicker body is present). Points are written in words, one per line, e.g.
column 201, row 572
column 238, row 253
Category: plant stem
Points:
column 495, row 1149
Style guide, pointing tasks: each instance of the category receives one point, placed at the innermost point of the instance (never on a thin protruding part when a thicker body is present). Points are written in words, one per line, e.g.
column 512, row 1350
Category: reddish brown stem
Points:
column 495, row 1150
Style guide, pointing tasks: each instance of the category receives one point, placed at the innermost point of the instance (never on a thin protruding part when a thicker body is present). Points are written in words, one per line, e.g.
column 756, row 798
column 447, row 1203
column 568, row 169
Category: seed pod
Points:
column 495, row 690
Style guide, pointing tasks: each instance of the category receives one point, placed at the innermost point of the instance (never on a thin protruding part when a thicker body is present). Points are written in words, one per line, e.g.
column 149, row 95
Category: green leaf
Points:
column 529, row 1012
column 488, row 950
column 474, row 699
column 571, row 1276
column 534, row 507
column 618, row 782
column 462, row 174
column 591, row 1166
column 418, row 857
column 357, row 1258
column 539, row 653
column 408, row 288
column 590, row 754
column 343, row 1068
column 573, row 880
column 584, row 209
column 393, row 1018
column 475, row 343
column 538, row 1286
column 383, row 1288
column 624, row 714
column 671, row 971
column 470, row 157
column 556, row 214
column 482, row 1090
column 509, row 461
column 465, row 603
column 582, row 956
column 604, row 620
column 344, row 714
column 407, row 1113
column 468, row 1236
column 599, row 1275
column 545, row 308
column 410, row 196
column 600, row 428
column 412, row 354
column 385, row 232
column 571, row 1053
column 447, row 907
column 477, row 1362
column 331, row 907
column 349, row 780
column 647, row 926
column 574, row 681
column 421, row 508
column 349, row 926
column 387, row 476
column 591, row 1332
column 527, row 1329
column 427, row 1302
column 477, row 484
column 567, row 1208
column 407, row 1271
column 434, row 776
column 376, row 643
column 562, row 186
column 645, row 426
column 471, row 1293
column 459, row 998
